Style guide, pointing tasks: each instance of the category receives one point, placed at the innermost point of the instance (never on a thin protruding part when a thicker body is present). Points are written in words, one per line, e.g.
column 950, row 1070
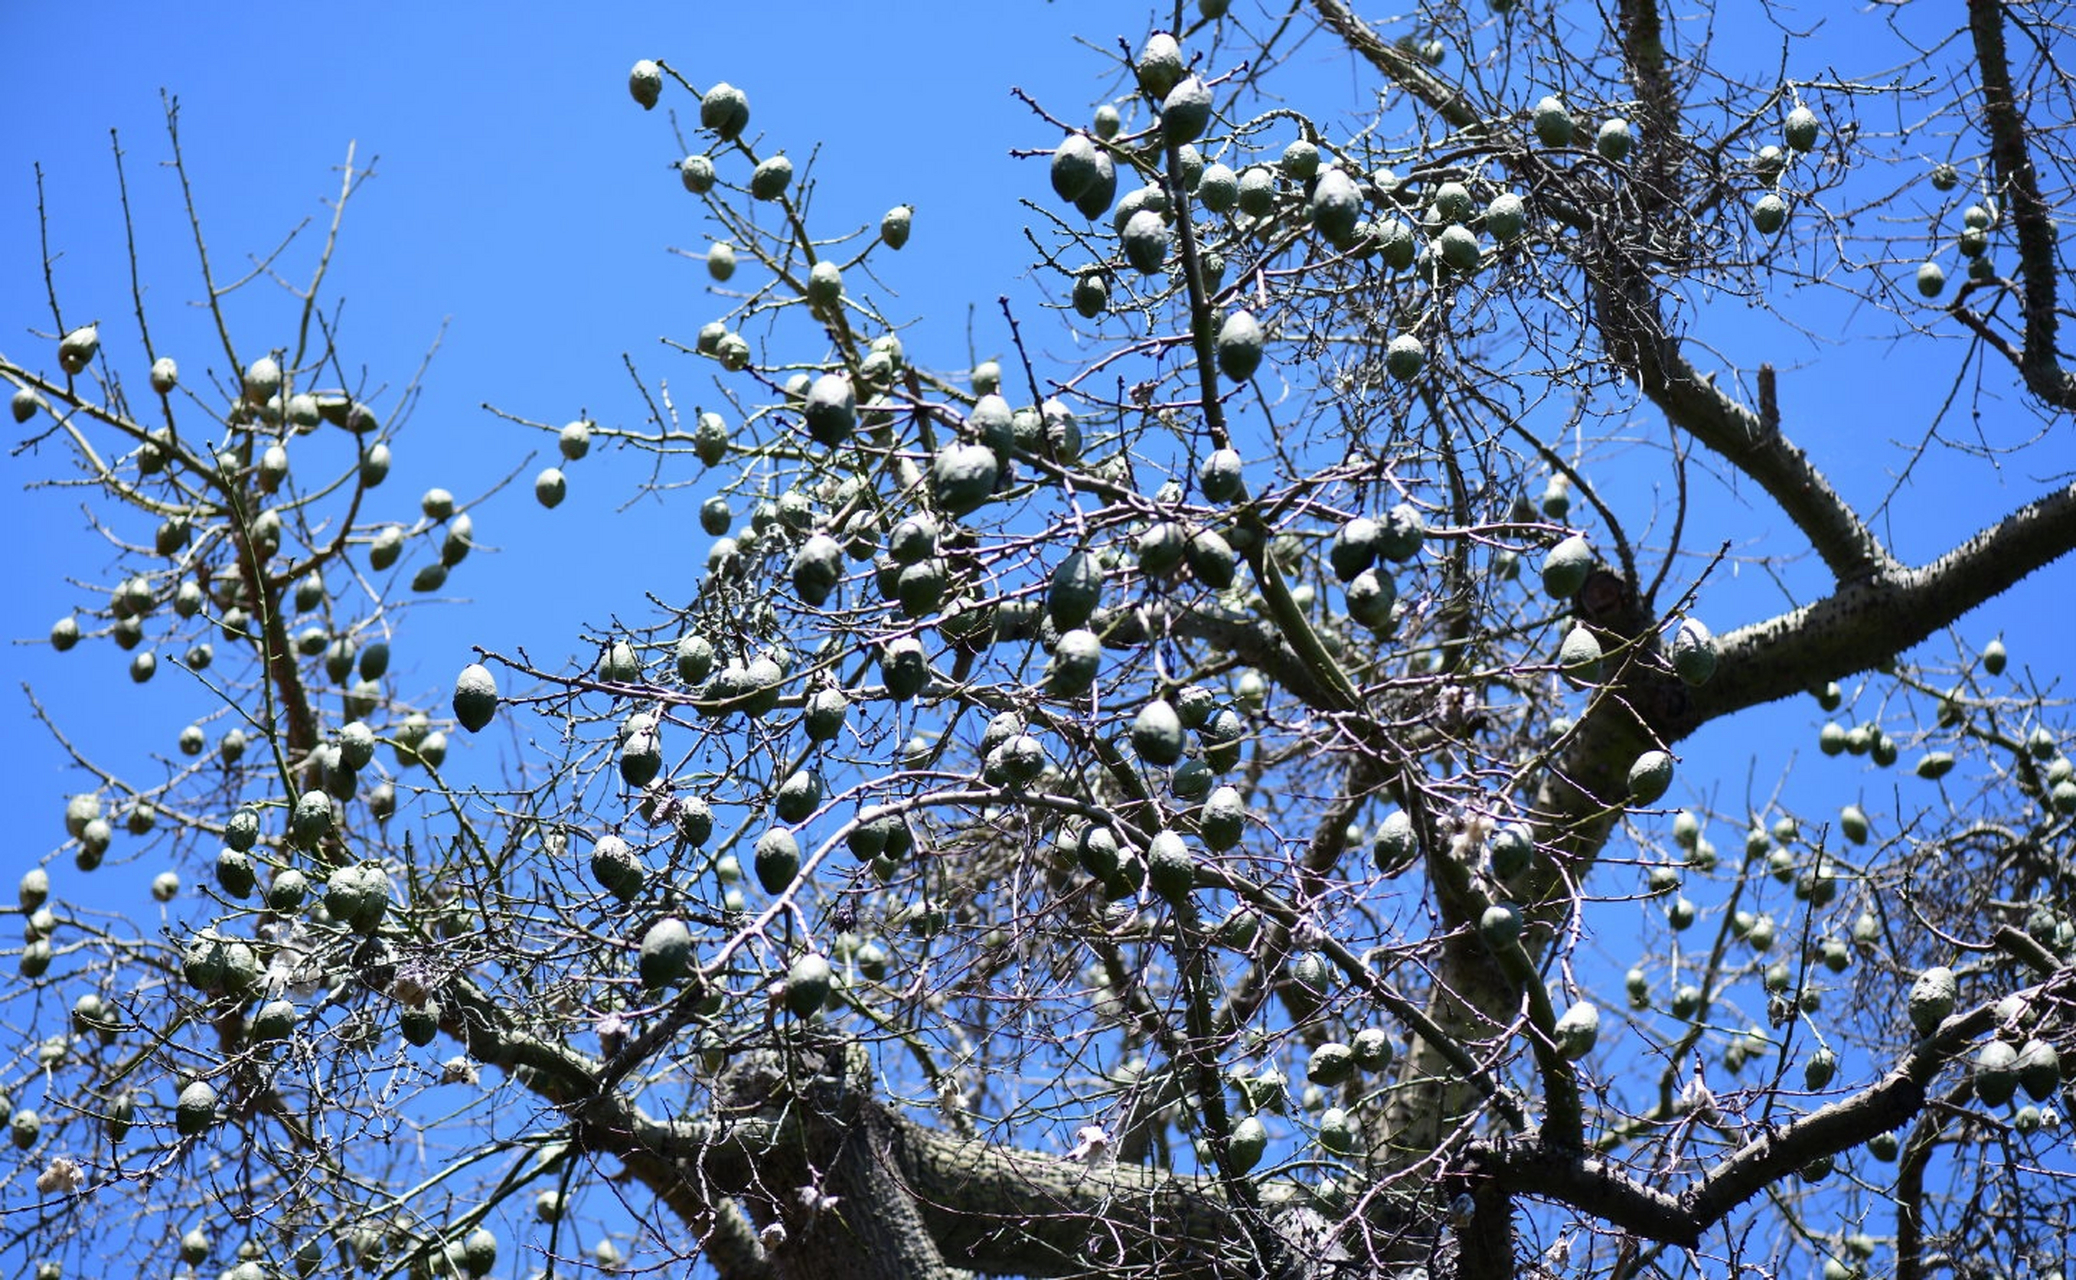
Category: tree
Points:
column 1132, row 811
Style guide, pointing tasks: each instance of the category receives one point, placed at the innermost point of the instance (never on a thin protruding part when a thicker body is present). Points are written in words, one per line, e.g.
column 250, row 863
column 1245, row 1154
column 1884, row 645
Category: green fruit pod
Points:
column 776, row 860
column 1566, row 566
column 1770, row 213
column 1649, row 777
column 666, row 953
column 1373, row 1051
column 824, row 287
column 1162, row 548
column 1401, row 533
column 475, row 697
column 831, row 409
column 1578, row 1030
column 289, row 889
column 1240, row 345
column 1932, row 998
column 694, row 656
column 1075, row 167
column 1694, row 652
column 1331, row 1064
column 1157, row 733
column 1802, row 129
column 1460, row 250
column 904, row 668
column 1371, row 599
column 1076, row 591
column 641, row 757
column 1219, row 189
column 817, row 568
column 1311, row 984
column 1257, row 195
column 312, row 820
column 275, row 1020
column 1339, row 1133
column 1222, row 476
column 1404, row 357
column 2039, row 1069
column 1211, row 558
column 809, row 982
column 1452, row 203
column 1185, row 111
column 1931, row 280
column 195, row 1109
column 798, row 796
column 1500, row 925
column 479, row 1253
column 1076, row 658
column 962, row 476
column 76, row 349
column 1354, row 547
column 1396, row 844
column 895, row 225
column 234, row 873
column 1222, row 819
column 1553, row 126
column 1171, row 871
column 1996, row 1073
column 645, row 83
column 697, row 173
column 1614, row 140
column 1091, row 295
column 1334, row 207
column 1159, row 66
column 726, row 110
column 1579, row 656
column 1244, row 1148
column 1300, row 160
column 26, row 404
column 1145, row 239
column 1506, row 217
column 769, row 180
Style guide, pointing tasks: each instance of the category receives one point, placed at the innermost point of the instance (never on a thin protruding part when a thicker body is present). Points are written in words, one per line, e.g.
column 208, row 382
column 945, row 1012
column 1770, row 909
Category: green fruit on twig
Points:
column 666, row 952
column 76, row 349
column 1802, row 129
column 1649, row 777
column 808, row 984
column 726, row 110
column 1566, row 566
column 1553, row 127
column 1614, row 139
column 645, row 83
column 475, row 697
column 1240, row 346
column 1932, row 998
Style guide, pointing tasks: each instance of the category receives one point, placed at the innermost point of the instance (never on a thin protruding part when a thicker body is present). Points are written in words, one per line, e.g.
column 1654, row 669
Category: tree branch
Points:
column 1866, row 621
column 2032, row 218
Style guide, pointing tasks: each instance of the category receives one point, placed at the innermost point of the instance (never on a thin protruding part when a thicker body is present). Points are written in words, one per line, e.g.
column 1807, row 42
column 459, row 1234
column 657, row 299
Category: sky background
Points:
column 522, row 217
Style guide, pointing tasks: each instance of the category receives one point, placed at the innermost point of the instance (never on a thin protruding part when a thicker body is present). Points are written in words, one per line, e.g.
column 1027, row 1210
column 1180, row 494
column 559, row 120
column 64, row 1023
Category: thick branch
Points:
column 1864, row 622
column 2032, row 218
